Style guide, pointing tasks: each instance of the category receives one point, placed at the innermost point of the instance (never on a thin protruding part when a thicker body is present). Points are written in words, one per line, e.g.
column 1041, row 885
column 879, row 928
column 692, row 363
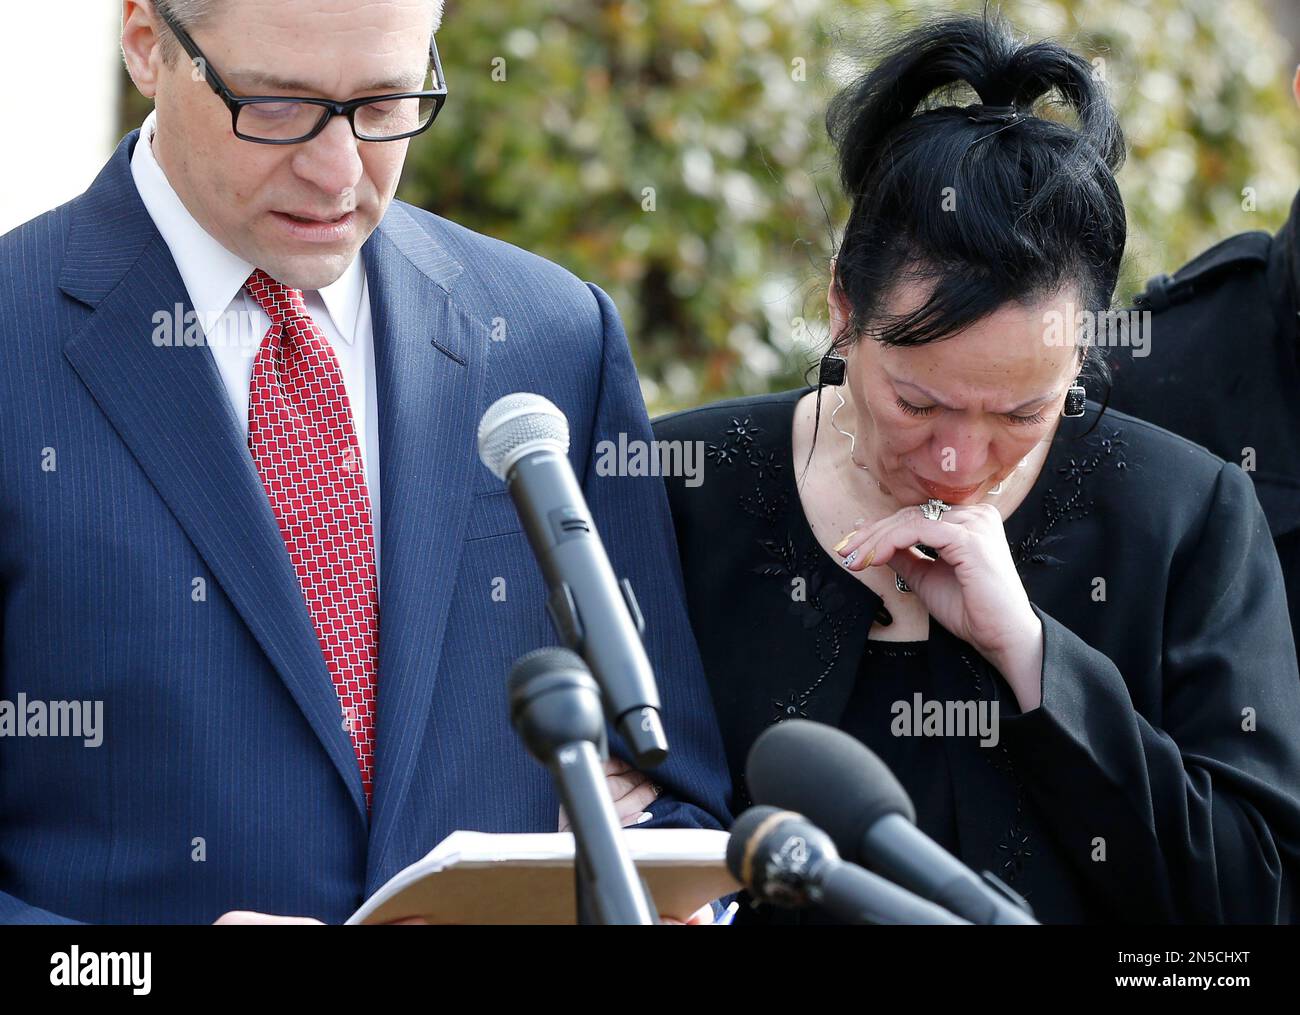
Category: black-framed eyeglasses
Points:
column 278, row 119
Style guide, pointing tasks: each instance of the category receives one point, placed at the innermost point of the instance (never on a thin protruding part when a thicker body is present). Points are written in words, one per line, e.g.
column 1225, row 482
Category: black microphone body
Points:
column 903, row 853
column 783, row 859
column 593, row 612
column 844, row 788
column 555, row 707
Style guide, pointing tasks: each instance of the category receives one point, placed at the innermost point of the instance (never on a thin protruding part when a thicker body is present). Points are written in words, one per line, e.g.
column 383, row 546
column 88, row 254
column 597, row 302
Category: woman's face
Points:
column 951, row 419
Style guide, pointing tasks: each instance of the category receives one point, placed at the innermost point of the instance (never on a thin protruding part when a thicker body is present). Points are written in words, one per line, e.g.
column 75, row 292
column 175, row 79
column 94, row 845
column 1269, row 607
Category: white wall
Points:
column 52, row 148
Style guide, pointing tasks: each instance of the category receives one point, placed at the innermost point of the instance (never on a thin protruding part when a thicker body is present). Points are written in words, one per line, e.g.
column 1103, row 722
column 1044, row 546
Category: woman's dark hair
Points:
column 1033, row 203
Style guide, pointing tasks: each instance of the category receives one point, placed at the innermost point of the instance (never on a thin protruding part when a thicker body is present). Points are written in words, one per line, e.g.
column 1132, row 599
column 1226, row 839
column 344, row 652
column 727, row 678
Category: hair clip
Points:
column 979, row 113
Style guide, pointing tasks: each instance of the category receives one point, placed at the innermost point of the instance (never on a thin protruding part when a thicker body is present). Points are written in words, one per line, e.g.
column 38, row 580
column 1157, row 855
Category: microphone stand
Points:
column 556, row 709
column 607, row 888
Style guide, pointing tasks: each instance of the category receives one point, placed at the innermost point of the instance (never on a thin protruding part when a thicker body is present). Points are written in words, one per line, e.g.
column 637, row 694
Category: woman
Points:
column 947, row 519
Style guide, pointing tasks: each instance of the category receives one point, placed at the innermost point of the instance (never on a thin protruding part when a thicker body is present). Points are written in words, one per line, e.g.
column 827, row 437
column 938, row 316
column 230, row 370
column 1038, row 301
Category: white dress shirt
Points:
column 234, row 325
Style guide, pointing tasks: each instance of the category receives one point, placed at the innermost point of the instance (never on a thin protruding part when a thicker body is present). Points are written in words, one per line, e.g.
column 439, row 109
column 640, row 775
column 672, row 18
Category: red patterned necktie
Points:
column 304, row 443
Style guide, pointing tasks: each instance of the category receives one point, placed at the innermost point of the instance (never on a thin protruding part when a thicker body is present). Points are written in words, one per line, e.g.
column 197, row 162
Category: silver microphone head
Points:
column 517, row 425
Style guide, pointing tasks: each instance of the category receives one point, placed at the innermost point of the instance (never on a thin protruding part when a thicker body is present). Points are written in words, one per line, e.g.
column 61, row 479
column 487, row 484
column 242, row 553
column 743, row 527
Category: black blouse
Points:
column 1158, row 781
column 882, row 712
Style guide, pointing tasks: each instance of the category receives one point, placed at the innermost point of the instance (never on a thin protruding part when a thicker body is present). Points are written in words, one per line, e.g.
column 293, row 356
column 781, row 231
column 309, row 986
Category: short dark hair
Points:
column 1034, row 204
column 189, row 14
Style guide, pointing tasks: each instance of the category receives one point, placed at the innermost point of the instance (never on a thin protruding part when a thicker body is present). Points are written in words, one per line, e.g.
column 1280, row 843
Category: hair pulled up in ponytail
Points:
column 988, row 205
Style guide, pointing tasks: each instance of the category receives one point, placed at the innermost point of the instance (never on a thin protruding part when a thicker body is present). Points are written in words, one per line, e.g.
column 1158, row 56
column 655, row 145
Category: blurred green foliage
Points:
column 672, row 151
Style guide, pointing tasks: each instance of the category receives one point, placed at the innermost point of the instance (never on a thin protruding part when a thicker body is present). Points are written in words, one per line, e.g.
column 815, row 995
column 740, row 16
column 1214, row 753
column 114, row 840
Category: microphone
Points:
column 555, row 708
column 843, row 787
column 784, row 859
column 524, row 440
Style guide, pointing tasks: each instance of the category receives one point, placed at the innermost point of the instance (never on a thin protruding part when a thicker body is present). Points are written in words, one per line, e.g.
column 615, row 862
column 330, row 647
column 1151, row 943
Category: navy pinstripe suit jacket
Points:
column 225, row 779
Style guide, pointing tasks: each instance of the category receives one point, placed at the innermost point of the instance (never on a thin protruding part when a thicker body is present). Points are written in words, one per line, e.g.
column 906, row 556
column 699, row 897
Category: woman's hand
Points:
column 631, row 791
column 972, row 589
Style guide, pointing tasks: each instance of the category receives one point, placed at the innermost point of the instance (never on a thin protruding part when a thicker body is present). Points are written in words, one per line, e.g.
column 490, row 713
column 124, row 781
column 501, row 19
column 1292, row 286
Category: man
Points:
column 240, row 389
column 1222, row 368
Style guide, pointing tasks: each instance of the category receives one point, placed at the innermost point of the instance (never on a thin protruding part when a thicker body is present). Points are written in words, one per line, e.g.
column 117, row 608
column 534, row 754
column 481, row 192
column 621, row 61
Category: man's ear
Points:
column 141, row 45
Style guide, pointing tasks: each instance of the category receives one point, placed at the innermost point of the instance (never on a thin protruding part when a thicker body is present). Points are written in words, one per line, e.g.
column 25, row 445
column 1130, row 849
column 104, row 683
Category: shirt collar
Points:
column 214, row 276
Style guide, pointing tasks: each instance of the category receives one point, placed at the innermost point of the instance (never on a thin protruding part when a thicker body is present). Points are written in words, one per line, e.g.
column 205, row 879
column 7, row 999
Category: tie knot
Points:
column 281, row 303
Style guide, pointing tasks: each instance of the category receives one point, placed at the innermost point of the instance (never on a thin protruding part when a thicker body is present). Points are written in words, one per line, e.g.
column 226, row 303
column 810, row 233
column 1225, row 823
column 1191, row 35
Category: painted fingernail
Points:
column 870, row 557
column 848, row 561
column 643, row 817
column 845, row 541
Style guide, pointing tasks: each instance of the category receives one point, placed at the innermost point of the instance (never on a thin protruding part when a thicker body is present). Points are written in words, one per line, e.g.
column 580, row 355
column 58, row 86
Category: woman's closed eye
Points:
column 926, row 410
column 915, row 410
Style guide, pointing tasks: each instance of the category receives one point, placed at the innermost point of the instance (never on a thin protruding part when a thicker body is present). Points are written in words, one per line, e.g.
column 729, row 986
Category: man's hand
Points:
column 243, row 916
column 632, row 791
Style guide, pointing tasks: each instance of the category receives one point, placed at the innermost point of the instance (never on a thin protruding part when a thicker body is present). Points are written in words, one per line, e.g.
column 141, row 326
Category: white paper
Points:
column 481, row 877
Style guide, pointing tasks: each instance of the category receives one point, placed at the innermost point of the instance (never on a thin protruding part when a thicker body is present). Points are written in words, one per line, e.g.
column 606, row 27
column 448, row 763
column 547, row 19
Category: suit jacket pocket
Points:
column 492, row 514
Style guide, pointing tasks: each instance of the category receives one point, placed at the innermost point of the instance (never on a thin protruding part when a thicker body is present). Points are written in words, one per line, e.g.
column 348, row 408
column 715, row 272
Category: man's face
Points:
column 253, row 198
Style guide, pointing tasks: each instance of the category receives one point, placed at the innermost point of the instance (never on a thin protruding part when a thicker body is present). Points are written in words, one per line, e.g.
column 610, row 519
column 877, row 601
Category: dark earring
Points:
column 1074, row 401
column 832, row 369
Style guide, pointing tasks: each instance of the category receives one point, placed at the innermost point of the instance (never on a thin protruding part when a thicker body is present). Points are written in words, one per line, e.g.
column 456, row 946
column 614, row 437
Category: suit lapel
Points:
column 429, row 372
column 171, row 409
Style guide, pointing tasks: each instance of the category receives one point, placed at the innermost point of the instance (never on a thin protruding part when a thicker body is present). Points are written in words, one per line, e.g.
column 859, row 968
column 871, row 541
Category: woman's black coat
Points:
column 1160, row 778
